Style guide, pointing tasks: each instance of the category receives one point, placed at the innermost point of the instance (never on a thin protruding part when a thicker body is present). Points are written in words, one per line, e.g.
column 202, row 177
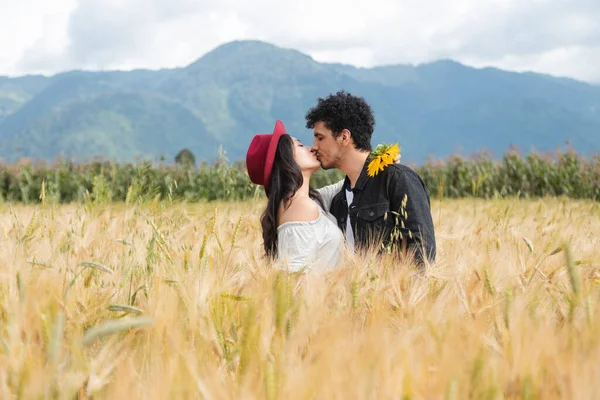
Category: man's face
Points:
column 329, row 150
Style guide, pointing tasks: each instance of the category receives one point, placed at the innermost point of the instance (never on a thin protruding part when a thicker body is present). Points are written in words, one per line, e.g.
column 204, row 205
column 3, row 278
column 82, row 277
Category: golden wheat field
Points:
column 174, row 301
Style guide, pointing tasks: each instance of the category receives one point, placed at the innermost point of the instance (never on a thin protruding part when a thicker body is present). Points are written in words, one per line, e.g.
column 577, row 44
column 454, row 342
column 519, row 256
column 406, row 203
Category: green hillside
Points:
column 119, row 126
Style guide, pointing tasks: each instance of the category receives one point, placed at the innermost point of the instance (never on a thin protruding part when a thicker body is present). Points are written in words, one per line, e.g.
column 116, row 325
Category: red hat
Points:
column 261, row 155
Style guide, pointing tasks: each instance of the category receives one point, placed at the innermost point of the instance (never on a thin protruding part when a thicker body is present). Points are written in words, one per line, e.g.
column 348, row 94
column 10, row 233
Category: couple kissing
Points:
column 308, row 229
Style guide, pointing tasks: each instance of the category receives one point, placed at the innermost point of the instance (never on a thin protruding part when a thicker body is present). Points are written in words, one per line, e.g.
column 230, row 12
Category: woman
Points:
column 297, row 229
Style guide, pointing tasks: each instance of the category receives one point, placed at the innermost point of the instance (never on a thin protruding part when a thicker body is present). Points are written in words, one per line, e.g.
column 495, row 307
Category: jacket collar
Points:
column 362, row 179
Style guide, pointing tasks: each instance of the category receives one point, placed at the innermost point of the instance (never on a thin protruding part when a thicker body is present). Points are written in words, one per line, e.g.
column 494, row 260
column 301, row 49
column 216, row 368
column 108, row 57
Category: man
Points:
column 389, row 209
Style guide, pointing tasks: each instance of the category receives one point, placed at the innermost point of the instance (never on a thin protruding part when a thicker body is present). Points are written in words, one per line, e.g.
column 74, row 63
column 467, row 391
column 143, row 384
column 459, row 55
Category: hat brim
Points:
column 278, row 131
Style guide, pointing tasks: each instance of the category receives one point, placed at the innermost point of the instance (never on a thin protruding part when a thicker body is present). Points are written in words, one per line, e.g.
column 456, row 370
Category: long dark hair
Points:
column 286, row 179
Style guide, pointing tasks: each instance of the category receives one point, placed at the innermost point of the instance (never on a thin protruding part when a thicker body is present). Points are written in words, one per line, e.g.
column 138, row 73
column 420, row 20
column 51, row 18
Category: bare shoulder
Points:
column 300, row 209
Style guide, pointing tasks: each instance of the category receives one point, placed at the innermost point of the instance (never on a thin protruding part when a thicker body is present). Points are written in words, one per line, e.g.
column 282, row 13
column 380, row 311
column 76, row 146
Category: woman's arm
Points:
column 328, row 192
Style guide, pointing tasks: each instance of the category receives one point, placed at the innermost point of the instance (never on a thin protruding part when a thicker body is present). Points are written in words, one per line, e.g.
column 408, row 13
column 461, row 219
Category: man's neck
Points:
column 353, row 165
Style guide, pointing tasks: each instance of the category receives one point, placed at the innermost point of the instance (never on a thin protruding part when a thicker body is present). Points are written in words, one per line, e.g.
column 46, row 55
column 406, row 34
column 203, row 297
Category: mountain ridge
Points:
column 240, row 88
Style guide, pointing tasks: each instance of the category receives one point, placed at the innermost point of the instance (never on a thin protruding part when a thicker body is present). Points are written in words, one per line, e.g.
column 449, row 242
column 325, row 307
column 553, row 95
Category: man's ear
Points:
column 346, row 137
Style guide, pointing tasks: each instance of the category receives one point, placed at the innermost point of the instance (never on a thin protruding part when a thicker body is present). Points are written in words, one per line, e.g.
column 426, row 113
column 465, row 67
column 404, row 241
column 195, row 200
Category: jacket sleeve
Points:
column 409, row 197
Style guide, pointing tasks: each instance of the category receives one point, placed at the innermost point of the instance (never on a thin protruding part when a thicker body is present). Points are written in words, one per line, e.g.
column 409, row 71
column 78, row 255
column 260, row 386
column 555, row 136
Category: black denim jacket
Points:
column 372, row 211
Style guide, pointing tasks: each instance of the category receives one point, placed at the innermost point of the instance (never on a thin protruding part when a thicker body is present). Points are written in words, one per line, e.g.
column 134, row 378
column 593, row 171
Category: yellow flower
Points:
column 381, row 157
column 374, row 166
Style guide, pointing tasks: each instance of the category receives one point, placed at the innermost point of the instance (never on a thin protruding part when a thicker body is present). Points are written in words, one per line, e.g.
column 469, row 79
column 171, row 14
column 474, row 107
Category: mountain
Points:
column 122, row 125
column 14, row 92
column 242, row 87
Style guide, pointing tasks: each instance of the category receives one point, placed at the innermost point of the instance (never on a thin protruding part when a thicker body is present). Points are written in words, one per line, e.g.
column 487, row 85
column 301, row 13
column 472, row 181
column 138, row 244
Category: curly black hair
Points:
column 344, row 111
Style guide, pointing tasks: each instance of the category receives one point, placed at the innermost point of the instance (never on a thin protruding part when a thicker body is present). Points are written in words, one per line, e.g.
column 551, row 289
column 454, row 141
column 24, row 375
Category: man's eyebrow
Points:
column 318, row 134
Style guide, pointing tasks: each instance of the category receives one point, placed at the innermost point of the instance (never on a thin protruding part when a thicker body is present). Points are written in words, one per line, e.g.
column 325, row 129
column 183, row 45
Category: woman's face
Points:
column 304, row 157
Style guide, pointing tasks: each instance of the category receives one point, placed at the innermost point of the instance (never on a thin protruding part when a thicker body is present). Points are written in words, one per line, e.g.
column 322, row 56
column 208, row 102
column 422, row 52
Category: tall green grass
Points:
column 564, row 173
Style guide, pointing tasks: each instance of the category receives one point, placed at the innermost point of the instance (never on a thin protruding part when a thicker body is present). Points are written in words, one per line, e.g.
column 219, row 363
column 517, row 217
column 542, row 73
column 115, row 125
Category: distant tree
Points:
column 185, row 158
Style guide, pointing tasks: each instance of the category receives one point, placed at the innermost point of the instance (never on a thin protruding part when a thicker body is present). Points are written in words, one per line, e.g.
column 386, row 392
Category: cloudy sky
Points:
column 559, row 37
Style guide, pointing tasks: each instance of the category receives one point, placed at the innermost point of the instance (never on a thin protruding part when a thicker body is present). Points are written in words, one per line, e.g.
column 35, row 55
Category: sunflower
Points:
column 381, row 157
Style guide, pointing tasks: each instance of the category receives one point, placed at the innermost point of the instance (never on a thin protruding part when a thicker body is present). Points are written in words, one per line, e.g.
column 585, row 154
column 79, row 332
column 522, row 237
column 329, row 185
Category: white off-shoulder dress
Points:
column 312, row 245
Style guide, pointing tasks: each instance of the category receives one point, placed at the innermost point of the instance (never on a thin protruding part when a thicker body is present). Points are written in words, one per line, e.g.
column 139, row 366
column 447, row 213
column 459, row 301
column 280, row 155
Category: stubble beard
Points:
column 334, row 164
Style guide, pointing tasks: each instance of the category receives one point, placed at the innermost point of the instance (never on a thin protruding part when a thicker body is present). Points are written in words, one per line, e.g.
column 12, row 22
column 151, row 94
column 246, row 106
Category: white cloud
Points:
column 31, row 29
column 554, row 36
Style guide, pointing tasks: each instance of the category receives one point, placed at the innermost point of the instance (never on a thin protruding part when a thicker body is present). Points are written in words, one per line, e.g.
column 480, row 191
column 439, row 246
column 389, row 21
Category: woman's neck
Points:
column 304, row 190
column 301, row 207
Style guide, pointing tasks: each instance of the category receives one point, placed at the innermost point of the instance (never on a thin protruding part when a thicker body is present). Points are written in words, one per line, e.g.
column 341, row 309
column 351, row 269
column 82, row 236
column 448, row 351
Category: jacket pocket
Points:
column 373, row 212
column 371, row 223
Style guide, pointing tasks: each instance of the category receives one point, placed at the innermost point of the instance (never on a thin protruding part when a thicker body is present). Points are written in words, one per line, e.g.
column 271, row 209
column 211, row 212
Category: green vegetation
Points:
column 535, row 175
